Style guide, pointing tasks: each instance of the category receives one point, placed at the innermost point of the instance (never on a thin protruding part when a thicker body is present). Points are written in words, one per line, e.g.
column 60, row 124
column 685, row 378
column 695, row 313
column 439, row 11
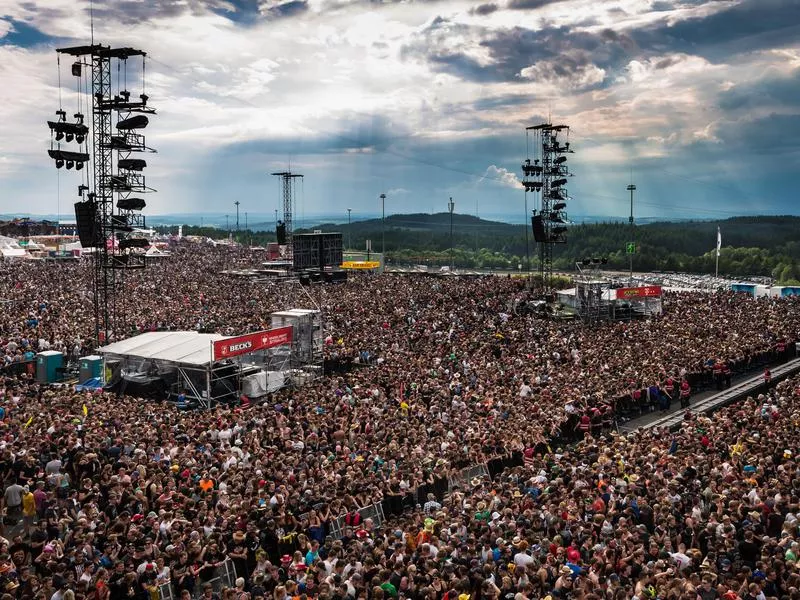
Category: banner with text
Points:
column 252, row 342
column 634, row 293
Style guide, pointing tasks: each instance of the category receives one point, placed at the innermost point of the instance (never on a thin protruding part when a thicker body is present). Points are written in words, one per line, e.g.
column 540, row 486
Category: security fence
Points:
column 225, row 577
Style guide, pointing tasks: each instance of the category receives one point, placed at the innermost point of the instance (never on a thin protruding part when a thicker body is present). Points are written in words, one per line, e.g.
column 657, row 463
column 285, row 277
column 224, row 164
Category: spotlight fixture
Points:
column 70, row 164
column 59, row 163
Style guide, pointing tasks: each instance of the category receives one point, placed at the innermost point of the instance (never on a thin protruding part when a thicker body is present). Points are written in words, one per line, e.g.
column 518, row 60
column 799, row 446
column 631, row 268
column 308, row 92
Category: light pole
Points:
column 227, row 227
column 246, row 228
column 451, row 206
column 631, row 188
column 349, row 230
column 237, row 218
column 383, row 226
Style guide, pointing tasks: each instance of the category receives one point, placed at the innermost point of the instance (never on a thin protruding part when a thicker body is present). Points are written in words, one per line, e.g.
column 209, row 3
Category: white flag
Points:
column 719, row 240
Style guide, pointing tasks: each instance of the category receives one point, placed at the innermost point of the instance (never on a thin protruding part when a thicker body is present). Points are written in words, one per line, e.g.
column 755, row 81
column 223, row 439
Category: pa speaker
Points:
column 86, row 221
column 280, row 232
column 538, row 229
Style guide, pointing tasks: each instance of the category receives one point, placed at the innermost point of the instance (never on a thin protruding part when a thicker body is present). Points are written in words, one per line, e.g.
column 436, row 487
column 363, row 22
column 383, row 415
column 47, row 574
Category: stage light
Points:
column 70, row 164
column 59, row 136
column 70, row 137
column 59, row 163
column 79, row 139
column 559, row 206
column 78, row 166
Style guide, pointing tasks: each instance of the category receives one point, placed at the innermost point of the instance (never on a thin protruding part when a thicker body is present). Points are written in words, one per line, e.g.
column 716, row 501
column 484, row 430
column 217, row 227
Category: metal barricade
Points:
column 225, row 578
column 373, row 511
column 465, row 475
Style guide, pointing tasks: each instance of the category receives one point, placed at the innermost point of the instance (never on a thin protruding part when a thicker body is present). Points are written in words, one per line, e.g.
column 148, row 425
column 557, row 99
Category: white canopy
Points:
column 180, row 347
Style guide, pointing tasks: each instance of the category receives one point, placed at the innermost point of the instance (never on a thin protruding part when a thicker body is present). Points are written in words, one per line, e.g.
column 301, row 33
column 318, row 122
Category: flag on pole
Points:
column 28, row 424
column 719, row 240
column 85, row 411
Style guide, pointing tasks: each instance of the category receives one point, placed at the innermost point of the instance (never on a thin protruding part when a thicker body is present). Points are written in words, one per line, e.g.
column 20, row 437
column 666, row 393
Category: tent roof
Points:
column 181, row 347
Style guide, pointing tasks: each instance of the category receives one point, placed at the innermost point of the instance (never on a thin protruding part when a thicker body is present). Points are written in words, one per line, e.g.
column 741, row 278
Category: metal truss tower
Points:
column 107, row 228
column 547, row 175
column 287, row 187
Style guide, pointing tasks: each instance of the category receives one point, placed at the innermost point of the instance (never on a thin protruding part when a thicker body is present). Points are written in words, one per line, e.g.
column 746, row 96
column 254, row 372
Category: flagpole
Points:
column 719, row 245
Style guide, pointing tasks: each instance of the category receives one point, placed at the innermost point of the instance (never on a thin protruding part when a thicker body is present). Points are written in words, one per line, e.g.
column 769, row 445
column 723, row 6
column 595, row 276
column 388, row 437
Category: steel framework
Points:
column 547, row 175
column 287, row 187
column 115, row 249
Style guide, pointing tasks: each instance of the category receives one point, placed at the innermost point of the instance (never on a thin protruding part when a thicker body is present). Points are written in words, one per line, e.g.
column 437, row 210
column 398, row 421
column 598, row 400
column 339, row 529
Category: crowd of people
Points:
column 113, row 497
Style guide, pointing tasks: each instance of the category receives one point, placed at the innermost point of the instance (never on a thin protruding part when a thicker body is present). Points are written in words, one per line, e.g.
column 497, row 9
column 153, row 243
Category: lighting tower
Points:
column 237, row 218
column 287, row 179
column 112, row 146
column 349, row 230
column 631, row 243
column 383, row 226
column 451, row 207
column 547, row 175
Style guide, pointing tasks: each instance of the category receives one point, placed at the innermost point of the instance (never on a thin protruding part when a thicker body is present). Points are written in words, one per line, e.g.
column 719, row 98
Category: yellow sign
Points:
column 361, row 264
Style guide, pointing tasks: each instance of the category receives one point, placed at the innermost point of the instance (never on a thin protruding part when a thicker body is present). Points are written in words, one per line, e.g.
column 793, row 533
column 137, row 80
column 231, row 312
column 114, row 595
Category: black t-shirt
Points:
column 710, row 594
column 749, row 551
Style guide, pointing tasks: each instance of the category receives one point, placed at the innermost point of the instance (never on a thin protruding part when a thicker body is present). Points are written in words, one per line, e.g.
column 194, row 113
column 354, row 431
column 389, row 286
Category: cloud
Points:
column 420, row 95
column 501, row 175
column 292, row 8
column 484, row 9
column 530, row 4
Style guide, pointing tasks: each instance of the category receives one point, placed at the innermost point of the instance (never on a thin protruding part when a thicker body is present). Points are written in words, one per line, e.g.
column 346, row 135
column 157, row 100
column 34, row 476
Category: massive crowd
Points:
column 116, row 498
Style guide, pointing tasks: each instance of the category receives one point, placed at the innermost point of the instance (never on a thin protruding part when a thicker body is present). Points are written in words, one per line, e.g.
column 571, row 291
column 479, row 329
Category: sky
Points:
column 696, row 101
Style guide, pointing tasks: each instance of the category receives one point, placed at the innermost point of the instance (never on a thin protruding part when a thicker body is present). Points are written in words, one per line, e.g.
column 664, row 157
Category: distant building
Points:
column 21, row 228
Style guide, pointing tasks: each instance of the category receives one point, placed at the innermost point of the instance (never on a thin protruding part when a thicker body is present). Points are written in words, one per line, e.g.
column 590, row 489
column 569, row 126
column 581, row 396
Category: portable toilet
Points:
column 47, row 365
column 91, row 367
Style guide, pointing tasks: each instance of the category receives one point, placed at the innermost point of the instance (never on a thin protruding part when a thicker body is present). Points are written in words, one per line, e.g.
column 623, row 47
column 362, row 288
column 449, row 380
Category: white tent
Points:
column 9, row 248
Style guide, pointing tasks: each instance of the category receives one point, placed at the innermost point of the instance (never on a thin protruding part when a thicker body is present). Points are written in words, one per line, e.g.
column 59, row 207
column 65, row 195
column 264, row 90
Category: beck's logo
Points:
column 240, row 346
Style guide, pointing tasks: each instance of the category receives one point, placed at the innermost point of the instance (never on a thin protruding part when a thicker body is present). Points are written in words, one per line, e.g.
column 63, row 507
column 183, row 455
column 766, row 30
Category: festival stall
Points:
column 199, row 368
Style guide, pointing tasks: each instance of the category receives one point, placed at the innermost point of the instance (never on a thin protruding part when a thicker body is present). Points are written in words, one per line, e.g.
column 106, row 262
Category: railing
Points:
column 225, row 578
column 373, row 511
column 464, row 476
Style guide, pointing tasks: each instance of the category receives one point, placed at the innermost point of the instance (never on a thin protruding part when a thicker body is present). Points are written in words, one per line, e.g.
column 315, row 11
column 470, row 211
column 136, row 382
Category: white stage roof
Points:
column 181, row 347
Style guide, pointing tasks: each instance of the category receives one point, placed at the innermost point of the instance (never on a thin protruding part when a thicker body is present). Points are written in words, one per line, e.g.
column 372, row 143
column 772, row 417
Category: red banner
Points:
column 242, row 344
column 646, row 291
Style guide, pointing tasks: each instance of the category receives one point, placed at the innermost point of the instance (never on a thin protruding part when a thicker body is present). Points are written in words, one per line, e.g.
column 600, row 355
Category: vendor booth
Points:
column 199, row 368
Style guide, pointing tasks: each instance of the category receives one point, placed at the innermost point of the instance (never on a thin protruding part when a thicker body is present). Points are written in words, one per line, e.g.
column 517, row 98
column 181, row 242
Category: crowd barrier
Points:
column 373, row 511
column 225, row 578
column 464, row 476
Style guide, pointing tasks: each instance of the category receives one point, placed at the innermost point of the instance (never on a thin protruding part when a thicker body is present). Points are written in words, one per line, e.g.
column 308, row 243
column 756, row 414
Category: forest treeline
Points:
column 763, row 246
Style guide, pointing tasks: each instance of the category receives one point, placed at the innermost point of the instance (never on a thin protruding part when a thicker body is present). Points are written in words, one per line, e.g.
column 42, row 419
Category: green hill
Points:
column 767, row 245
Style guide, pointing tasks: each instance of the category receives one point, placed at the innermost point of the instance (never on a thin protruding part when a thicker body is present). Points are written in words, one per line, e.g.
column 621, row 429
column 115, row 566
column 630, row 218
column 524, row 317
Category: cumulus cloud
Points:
column 409, row 95
column 502, row 176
